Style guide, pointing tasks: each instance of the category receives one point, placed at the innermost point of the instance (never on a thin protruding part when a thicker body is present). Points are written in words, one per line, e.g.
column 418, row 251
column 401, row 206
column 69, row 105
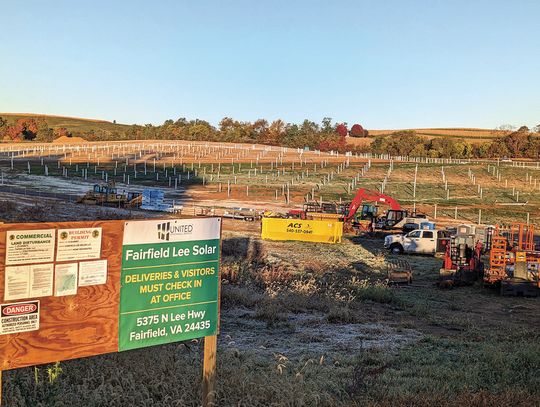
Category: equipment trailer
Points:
column 514, row 261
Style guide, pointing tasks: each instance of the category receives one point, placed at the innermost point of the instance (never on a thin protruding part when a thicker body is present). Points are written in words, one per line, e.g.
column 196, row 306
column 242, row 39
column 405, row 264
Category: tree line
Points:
column 325, row 136
column 520, row 143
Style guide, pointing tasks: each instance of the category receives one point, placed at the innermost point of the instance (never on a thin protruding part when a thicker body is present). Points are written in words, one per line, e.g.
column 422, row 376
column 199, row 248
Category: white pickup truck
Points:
column 417, row 241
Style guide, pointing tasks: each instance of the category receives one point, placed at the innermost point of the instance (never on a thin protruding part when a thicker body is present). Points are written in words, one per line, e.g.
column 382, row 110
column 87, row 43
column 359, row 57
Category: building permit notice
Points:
column 79, row 244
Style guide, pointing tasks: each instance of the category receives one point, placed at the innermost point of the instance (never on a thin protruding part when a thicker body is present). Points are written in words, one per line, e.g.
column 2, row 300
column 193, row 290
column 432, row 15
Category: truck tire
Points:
column 396, row 248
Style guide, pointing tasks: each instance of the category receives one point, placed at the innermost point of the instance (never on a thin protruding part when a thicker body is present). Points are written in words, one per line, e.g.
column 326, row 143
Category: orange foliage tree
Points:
column 23, row 129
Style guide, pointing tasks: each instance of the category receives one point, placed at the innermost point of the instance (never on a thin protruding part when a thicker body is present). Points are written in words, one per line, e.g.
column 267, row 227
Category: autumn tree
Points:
column 235, row 131
column 259, row 130
column 61, row 132
column 533, row 149
column 30, row 129
column 357, row 131
column 201, row 127
column 497, row 149
column 517, row 141
column 23, row 129
column 341, row 129
column 276, row 132
column 12, row 133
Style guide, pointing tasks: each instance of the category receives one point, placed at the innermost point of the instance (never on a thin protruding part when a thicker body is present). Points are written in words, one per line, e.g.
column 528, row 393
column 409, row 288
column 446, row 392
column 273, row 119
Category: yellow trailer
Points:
column 325, row 231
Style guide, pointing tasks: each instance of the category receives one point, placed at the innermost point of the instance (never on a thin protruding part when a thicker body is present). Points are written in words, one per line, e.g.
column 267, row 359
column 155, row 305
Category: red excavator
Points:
column 362, row 216
column 365, row 220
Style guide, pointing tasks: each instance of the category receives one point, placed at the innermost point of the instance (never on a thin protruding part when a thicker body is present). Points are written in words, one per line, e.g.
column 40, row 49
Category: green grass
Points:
column 441, row 370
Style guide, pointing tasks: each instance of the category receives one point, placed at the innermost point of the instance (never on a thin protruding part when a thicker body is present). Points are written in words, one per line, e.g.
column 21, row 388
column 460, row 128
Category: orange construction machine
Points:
column 514, row 260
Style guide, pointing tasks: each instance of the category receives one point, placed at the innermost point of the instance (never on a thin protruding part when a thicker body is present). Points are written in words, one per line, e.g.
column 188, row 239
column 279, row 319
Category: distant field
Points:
column 70, row 123
column 480, row 134
column 474, row 135
column 359, row 141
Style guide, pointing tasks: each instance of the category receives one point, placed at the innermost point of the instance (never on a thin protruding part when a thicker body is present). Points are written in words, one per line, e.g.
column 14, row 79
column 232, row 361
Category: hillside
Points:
column 83, row 124
column 70, row 123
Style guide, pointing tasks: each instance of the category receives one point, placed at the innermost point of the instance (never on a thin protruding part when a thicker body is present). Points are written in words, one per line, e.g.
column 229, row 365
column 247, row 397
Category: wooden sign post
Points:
column 108, row 286
column 209, row 371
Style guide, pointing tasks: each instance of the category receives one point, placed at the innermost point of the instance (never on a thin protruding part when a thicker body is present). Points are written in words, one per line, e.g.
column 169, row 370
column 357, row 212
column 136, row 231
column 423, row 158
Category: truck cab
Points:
column 417, row 241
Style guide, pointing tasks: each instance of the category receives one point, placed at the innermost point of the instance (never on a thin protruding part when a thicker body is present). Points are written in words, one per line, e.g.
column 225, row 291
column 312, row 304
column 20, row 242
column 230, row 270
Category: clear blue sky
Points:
column 384, row 64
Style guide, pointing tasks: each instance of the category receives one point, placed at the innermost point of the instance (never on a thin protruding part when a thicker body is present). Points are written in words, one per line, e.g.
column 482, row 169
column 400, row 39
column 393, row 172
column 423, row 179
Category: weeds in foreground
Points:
column 53, row 372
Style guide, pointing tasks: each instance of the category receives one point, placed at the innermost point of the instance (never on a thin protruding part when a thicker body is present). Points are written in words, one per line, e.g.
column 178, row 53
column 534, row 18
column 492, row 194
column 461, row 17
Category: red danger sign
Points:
column 19, row 309
column 19, row 317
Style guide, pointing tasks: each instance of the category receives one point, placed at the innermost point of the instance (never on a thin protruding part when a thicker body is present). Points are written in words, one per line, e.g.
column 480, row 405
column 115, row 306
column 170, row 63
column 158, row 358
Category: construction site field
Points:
column 301, row 323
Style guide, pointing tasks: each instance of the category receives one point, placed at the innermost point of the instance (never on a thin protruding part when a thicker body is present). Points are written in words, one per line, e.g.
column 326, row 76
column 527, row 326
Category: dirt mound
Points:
column 65, row 140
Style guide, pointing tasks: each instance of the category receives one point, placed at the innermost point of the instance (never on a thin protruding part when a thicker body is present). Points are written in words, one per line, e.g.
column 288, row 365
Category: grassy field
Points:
column 246, row 176
column 303, row 324
column 313, row 324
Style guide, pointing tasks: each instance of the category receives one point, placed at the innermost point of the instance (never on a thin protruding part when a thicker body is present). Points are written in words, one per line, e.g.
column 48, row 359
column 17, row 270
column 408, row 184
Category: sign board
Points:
column 170, row 281
column 75, row 289
column 70, row 320
column 326, row 231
